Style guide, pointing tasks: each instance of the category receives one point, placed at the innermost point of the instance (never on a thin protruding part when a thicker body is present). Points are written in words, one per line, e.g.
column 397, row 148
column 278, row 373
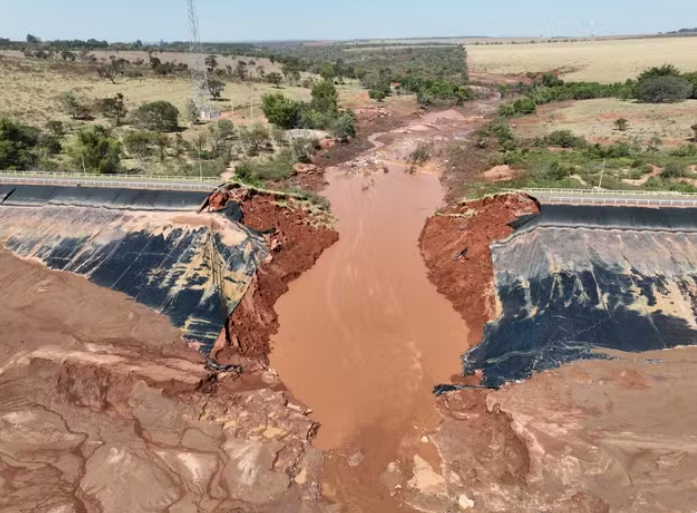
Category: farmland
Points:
column 595, row 120
column 601, row 61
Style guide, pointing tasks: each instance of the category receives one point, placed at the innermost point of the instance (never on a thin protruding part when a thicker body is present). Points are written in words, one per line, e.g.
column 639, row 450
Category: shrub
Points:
column 56, row 128
column 97, row 151
column 663, row 89
column 314, row 119
column 343, row 127
column 421, row 154
column 138, row 143
column 694, row 129
column 377, row 94
column 325, row 97
column 622, row 124
column 674, row 170
column 507, row 110
column 160, row 116
column 667, row 70
column 244, row 171
column 281, row 111
column 75, row 108
column 686, row 150
column 559, row 170
column 563, row 139
column 525, row 106
column 113, row 108
column 17, row 145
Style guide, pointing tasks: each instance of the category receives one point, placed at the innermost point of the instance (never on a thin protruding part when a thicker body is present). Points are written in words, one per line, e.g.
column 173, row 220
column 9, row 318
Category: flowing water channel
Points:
column 364, row 334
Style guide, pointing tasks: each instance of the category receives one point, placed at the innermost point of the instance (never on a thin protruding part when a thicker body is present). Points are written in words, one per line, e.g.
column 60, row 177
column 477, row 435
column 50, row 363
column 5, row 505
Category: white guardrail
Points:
column 176, row 183
column 613, row 197
column 606, row 192
column 638, row 202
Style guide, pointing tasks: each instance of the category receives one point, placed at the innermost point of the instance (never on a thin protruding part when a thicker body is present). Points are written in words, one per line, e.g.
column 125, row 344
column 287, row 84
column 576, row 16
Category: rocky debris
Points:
column 302, row 168
column 326, row 144
column 502, row 173
column 123, row 442
column 373, row 113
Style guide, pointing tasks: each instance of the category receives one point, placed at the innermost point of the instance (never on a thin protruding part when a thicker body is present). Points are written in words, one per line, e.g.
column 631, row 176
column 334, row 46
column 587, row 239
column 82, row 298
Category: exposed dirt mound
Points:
column 574, row 439
column 455, row 246
column 103, row 408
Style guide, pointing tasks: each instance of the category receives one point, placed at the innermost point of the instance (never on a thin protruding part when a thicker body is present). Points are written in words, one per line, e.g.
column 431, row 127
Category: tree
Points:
column 17, row 145
column 113, row 108
column 68, row 56
column 328, row 71
column 160, row 116
column 32, row 40
column 97, row 150
column 56, row 128
column 220, row 132
column 275, row 78
column 226, row 128
column 192, row 112
column 281, row 111
column 622, row 124
column 138, row 143
column 241, row 71
column 215, row 87
column 211, row 63
column 324, row 97
column 694, row 129
column 663, row 89
column 162, row 142
column 343, row 127
column 74, row 107
column 291, row 72
column 254, row 138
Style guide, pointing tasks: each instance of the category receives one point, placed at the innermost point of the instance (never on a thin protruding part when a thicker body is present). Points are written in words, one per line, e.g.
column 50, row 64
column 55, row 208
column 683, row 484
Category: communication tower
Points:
column 199, row 71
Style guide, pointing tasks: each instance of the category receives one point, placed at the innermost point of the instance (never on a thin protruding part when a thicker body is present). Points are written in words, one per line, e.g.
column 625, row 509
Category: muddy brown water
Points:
column 364, row 335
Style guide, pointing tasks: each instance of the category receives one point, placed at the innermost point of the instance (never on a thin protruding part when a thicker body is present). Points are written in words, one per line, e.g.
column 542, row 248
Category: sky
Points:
column 274, row 20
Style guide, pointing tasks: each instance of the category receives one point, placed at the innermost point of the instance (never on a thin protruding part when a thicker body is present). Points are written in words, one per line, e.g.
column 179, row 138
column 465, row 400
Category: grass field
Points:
column 601, row 61
column 30, row 91
column 594, row 119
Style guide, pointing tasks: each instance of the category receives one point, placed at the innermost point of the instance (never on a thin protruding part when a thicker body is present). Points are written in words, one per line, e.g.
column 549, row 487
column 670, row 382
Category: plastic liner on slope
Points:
column 115, row 198
column 196, row 274
column 578, row 279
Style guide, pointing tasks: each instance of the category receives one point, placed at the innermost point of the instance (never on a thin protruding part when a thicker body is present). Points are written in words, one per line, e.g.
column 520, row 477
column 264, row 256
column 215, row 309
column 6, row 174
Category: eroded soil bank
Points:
column 591, row 436
column 103, row 407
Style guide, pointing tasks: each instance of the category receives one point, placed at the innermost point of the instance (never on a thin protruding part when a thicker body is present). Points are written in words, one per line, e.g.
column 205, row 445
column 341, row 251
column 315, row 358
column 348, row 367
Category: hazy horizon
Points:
column 312, row 20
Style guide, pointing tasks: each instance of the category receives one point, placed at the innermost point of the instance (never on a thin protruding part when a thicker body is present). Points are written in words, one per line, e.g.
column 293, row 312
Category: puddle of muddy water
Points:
column 364, row 335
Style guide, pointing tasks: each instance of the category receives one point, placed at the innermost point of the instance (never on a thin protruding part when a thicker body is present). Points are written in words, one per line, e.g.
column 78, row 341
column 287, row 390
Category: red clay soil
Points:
column 468, row 281
column 297, row 245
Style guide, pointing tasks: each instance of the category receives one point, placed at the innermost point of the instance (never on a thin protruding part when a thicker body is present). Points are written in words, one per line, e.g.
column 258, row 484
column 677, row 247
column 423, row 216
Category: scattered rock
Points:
column 325, row 144
column 465, row 502
column 305, row 168
column 356, row 459
column 426, row 480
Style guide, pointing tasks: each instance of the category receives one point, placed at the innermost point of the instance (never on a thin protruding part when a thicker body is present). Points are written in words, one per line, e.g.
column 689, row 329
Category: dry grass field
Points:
column 30, row 91
column 594, row 119
column 601, row 61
